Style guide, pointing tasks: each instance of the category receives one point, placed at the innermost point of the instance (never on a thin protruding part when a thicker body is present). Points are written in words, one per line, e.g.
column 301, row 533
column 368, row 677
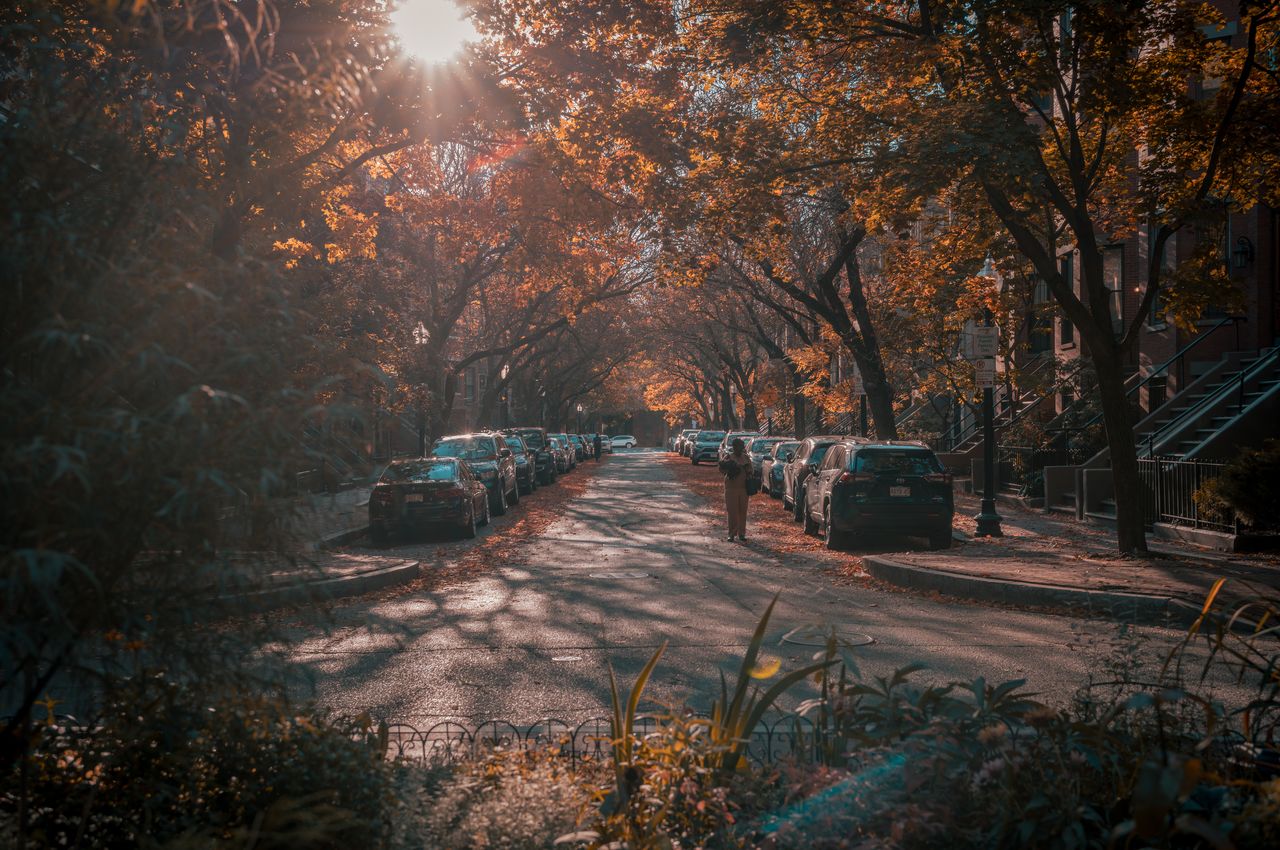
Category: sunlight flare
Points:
column 432, row 30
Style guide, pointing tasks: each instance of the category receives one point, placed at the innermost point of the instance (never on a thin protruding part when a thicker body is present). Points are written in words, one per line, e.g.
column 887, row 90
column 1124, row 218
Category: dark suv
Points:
column 535, row 440
column 706, row 446
column 799, row 467
column 896, row 486
column 492, row 463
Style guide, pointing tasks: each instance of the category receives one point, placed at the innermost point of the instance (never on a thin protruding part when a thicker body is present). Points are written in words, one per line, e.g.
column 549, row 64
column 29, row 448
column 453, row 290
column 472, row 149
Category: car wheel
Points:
column 797, row 506
column 515, row 494
column 834, row 539
column 499, row 506
column 469, row 528
column 810, row 524
column 940, row 539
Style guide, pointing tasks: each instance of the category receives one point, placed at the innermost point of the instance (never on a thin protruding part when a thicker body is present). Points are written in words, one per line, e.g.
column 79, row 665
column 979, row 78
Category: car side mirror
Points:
column 504, row 452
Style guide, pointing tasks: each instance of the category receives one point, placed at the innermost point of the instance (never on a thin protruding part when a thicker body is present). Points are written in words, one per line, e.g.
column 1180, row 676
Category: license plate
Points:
column 895, row 492
column 413, row 497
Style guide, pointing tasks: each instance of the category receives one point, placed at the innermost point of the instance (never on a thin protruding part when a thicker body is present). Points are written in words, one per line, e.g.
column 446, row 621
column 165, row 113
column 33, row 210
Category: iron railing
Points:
column 1173, row 483
column 790, row 736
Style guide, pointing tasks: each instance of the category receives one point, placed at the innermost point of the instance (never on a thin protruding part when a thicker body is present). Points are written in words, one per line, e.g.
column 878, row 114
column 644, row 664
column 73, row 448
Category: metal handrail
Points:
column 1237, row 384
column 1182, row 352
column 1017, row 414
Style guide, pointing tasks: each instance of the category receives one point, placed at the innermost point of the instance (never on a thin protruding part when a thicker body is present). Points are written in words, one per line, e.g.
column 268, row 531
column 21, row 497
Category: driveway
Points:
column 630, row 565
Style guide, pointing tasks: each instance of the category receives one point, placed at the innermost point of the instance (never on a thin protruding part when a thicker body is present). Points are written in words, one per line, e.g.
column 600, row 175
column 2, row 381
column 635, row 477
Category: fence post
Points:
column 1195, row 508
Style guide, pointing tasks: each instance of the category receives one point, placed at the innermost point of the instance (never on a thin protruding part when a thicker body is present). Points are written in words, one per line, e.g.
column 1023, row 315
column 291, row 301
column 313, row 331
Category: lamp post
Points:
column 988, row 521
column 421, row 336
column 505, row 399
column 579, row 429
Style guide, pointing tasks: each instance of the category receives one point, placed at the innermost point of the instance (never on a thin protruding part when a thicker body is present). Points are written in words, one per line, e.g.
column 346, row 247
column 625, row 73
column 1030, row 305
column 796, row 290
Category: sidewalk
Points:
column 1054, row 561
column 327, row 520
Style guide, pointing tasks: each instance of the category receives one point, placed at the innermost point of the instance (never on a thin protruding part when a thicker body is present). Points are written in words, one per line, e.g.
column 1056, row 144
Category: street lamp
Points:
column 579, row 430
column 505, row 398
column 988, row 521
column 421, row 336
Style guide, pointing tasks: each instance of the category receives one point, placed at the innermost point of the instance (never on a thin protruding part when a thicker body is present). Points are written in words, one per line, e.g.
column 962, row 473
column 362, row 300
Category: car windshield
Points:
column 514, row 443
column 711, row 436
column 895, row 462
column 789, row 446
column 415, row 471
column 762, row 447
column 467, row 448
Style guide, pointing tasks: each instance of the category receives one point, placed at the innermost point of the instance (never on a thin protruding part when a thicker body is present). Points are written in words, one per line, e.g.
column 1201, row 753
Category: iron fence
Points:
column 1172, row 484
column 787, row 737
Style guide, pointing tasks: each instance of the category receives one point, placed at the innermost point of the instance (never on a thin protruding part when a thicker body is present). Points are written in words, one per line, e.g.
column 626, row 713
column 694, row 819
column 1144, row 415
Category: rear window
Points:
column 532, row 438
column 514, row 444
column 905, row 462
column 708, row 436
column 423, row 470
column 467, row 448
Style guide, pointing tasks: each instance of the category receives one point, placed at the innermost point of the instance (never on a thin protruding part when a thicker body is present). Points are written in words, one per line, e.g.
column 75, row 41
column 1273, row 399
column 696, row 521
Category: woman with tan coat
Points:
column 736, row 469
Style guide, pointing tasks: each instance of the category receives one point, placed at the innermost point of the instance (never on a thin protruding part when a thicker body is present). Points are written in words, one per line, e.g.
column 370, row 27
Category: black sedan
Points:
column 526, row 464
column 489, row 462
column 426, row 493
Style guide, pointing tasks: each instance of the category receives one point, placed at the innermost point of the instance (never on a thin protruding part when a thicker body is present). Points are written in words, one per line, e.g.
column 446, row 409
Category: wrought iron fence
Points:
column 788, row 737
column 1173, row 484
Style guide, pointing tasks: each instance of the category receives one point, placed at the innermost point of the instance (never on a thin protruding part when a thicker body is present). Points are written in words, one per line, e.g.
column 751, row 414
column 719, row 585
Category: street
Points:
column 629, row 566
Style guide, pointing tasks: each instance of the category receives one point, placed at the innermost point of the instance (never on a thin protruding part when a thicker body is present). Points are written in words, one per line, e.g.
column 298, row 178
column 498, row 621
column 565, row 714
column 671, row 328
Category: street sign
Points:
column 977, row 341
column 984, row 373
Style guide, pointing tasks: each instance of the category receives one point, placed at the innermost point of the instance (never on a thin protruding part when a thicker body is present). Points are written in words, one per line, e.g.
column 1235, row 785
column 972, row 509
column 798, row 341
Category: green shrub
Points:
column 507, row 799
column 1250, row 485
column 243, row 771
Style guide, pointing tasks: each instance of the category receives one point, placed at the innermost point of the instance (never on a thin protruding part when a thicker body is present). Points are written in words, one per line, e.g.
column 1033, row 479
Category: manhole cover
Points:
column 619, row 575
column 818, row 635
column 566, row 658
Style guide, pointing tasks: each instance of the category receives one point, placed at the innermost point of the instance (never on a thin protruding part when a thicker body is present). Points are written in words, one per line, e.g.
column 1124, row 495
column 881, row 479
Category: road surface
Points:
column 628, row 567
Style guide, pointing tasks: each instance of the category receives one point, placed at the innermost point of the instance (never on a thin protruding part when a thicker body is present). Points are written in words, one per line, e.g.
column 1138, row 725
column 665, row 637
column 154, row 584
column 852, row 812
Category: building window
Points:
column 484, row 381
column 1066, row 330
column 469, row 386
column 1113, row 279
column 1168, row 264
column 1041, row 318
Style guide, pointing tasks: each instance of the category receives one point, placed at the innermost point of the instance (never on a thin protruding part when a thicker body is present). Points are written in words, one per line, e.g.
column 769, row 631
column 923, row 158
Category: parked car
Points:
column 797, row 471
column 426, row 493
column 560, row 454
column 682, row 440
column 726, row 443
column 526, row 465
column 579, row 443
column 771, row 466
column 606, row 444
column 706, row 446
column 759, row 448
column 535, row 439
column 492, row 463
column 568, row 449
column 879, row 485
column 624, row 441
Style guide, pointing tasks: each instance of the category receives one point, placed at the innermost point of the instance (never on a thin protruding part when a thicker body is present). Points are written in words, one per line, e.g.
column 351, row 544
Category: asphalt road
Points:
column 630, row 566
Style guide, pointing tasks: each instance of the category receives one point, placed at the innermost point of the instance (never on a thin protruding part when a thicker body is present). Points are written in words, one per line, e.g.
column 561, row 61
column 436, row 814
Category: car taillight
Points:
column 855, row 477
column 938, row 477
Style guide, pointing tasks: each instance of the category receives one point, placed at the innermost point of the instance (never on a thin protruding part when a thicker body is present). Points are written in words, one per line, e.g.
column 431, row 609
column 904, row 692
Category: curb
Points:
column 342, row 538
column 1140, row 608
column 325, row 589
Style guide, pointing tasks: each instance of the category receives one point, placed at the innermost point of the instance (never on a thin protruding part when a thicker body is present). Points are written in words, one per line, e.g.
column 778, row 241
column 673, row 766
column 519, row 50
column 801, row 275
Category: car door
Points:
column 828, row 471
column 792, row 469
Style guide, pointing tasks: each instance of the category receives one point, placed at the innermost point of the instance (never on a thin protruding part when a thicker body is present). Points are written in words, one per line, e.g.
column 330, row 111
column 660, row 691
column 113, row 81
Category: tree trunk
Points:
column 1131, row 494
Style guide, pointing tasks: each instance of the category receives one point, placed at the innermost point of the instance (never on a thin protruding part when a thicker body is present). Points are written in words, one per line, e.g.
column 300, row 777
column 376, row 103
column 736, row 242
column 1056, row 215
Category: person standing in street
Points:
column 736, row 469
column 595, row 444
